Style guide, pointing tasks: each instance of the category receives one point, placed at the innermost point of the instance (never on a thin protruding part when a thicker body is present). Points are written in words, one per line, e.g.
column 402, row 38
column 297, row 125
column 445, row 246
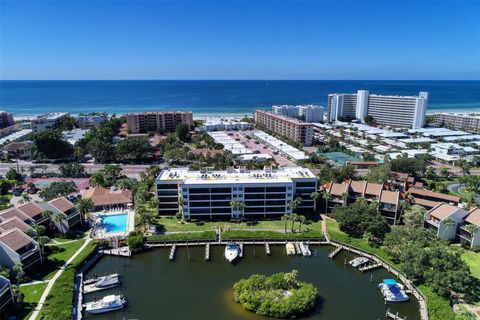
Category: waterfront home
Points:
column 106, row 199
column 11, row 223
column 17, row 247
column 429, row 199
column 444, row 219
column 34, row 211
column 261, row 193
column 468, row 232
column 349, row 191
column 15, row 212
column 66, row 210
column 6, row 294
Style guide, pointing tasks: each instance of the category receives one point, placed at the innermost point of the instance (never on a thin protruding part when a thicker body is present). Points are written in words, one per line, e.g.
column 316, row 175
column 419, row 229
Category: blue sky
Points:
column 239, row 39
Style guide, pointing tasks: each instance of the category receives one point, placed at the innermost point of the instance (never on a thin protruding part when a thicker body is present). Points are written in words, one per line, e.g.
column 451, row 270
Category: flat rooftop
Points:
column 283, row 175
column 51, row 116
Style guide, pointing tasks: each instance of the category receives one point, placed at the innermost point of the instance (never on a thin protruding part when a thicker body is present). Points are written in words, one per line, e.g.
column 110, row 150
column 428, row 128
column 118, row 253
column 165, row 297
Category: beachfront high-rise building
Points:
column 290, row 128
column 166, row 121
column 48, row 121
column 211, row 193
column 6, row 119
column 308, row 113
column 393, row 111
column 469, row 122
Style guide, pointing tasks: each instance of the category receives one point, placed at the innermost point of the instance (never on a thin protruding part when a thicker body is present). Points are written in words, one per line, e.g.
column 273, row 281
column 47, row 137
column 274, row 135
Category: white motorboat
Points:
column 106, row 304
column 358, row 262
column 232, row 251
column 393, row 291
column 101, row 283
column 304, row 248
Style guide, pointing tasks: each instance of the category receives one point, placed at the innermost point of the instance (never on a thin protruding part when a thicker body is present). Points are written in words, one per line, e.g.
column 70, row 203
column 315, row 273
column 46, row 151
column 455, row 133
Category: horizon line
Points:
column 240, row 79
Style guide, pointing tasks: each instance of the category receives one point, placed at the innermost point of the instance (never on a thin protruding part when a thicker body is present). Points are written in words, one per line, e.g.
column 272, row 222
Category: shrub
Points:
column 280, row 295
column 135, row 241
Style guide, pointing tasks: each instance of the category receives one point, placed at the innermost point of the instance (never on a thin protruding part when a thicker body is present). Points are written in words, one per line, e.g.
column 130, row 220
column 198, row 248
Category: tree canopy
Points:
column 280, row 295
column 58, row 189
column 49, row 144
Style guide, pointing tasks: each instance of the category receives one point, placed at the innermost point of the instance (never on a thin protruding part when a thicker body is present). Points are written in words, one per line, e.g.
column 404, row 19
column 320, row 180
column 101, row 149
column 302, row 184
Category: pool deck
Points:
column 130, row 224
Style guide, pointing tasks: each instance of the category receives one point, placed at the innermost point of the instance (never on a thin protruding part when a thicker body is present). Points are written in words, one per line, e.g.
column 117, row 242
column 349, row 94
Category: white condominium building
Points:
column 293, row 129
column 167, row 121
column 308, row 113
column 48, row 121
column 469, row 122
column 394, row 111
column 211, row 193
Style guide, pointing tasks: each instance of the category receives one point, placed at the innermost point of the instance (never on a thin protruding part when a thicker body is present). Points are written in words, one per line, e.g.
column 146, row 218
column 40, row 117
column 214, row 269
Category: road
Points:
column 131, row 171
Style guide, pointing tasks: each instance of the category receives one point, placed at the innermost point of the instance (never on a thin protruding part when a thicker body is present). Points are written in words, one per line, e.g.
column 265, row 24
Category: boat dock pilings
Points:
column 207, row 251
column 241, row 250
column 171, row 257
column 335, row 252
column 370, row 267
column 267, row 248
column 389, row 315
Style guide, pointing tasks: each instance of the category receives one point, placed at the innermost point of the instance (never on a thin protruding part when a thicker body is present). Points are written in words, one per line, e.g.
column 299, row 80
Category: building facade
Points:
column 6, row 294
column 393, row 111
column 293, row 129
column 307, row 113
column 6, row 119
column 167, row 121
column 48, row 121
column 17, row 247
column 213, row 193
column 87, row 121
column 469, row 122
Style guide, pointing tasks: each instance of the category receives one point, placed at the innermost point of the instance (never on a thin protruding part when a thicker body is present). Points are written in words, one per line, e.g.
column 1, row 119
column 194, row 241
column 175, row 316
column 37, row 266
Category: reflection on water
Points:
column 190, row 288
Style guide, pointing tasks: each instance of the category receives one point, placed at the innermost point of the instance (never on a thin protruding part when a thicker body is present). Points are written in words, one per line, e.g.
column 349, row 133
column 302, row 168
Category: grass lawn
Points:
column 438, row 307
column 59, row 302
column 473, row 261
column 57, row 255
column 31, row 296
column 169, row 223
column 260, row 234
column 203, row 235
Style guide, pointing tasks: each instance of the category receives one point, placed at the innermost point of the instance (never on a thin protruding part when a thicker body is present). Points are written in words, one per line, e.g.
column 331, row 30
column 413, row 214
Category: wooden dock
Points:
column 171, row 257
column 370, row 267
column 335, row 252
column 120, row 252
column 207, row 251
column 267, row 248
column 393, row 316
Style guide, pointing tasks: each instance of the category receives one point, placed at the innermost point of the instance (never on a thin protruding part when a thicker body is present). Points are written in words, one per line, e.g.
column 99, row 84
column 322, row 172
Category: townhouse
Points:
column 17, row 247
column 6, row 294
column 468, row 232
column 430, row 199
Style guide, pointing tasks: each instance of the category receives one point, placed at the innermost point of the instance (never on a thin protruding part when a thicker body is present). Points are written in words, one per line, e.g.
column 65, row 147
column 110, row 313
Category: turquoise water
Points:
column 115, row 222
column 340, row 157
column 25, row 98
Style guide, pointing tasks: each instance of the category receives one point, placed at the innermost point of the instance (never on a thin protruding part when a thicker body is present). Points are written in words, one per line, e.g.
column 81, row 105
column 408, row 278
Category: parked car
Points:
column 18, row 191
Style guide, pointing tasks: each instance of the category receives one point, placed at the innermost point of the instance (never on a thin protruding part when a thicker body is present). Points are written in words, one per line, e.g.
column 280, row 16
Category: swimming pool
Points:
column 114, row 223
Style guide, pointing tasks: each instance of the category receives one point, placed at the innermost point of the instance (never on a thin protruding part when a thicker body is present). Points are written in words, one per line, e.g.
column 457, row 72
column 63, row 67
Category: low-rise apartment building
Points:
column 349, row 191
column 430, row 199
column 6, row 294
column 70, row 215
column 17, row 247
column 48, row 121
column 444, row 219
column 293, row 129
column 211, row 193
column 469, row 122
column 468, row 232
column 88, row 121
column 166, row 121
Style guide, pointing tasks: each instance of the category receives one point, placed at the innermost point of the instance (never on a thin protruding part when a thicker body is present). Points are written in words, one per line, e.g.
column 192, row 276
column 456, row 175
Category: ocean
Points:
column 28, row 98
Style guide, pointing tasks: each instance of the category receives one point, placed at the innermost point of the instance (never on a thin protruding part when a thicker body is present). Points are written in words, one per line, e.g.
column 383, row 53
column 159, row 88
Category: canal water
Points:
column 190, row 288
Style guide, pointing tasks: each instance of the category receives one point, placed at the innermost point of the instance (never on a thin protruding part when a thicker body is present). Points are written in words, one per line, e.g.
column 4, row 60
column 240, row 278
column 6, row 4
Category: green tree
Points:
column 58, row 189
column 85, row 206
column 72, row 170
column 183, row 132
column 379, row 174
column 134, row 150
column 49, row 144
column 13, row 175
column 135, row 241
column 414, row 216
column 96, row 180
column 369, row 120
column 286, row 218
column 18, row 272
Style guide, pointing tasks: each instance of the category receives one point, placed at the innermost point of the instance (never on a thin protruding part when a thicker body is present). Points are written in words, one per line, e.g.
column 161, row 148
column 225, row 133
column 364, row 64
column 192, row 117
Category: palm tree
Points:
column 293, row 217
column 315, row 196
column 59, row 218
column 286, row 218
column 237, row 205
column 42, row 241
column 326, row 197
column 301, row 219
column 18, row 271
column 448, row 223
column 85, row 206
column 473, row 229
column 25, row 197
column 180, row 207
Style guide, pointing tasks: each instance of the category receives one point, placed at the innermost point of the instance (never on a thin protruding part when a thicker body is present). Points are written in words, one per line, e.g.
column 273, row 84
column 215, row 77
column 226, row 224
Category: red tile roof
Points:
column 15, row 239
column 473, row 217
column 31, row 209
column 442, row 211
column 14, row 212
column 435, row 195
column 61, row 204
column 390, row 197
column 13, row 222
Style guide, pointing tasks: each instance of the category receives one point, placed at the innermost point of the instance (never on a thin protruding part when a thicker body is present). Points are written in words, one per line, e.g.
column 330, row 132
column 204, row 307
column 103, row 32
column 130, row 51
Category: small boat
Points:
column 358, row 262
column 101, row 283
column 106, row 304
column 305, row 249
column 232, row 251
column 393, row 291
column 290, row 249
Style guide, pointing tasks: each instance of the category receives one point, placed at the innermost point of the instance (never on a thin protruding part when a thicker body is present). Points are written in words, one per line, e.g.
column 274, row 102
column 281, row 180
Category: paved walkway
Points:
column 33, row 283
column 58, row 243
column 52, row 281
